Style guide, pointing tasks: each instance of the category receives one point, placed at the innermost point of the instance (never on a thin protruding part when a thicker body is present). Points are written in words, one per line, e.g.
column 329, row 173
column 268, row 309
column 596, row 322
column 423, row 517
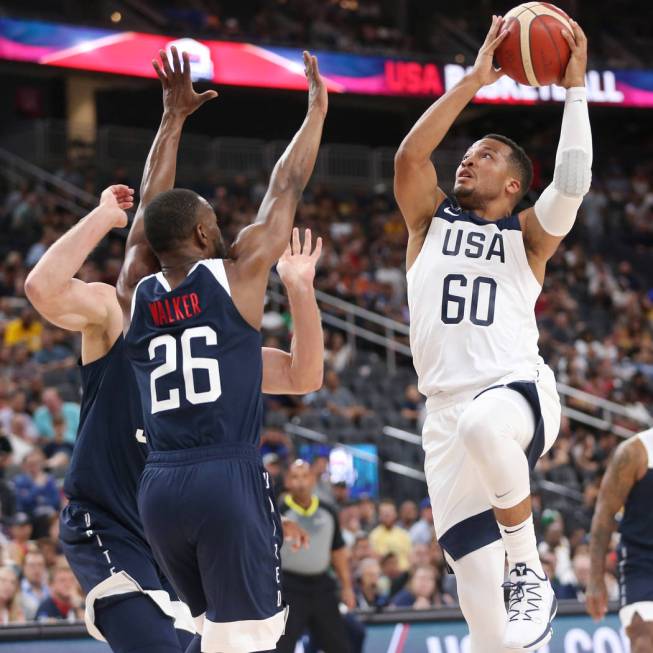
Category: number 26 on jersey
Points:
column 189, row 364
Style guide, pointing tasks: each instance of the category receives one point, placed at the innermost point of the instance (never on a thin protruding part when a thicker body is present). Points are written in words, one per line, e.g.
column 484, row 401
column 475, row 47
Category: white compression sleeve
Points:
column 558, row 204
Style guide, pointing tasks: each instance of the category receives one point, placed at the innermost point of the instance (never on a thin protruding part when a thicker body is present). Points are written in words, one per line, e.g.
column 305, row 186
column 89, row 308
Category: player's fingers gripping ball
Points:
column 535, row 52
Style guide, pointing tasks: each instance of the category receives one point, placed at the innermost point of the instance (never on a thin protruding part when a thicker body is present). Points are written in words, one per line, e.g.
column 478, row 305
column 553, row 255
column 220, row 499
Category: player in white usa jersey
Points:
column 475, row 270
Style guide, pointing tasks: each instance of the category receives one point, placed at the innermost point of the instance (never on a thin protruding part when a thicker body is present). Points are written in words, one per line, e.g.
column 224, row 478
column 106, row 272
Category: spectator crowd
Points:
column 596, row 322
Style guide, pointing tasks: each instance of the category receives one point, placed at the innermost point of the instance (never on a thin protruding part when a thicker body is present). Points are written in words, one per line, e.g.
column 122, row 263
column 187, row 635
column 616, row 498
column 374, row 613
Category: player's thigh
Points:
column 162, row 505
column 637, row 620
column 328, row 628
column 238, row 544
column 98, row 547
column 451, row 474
column 134, row 623
column 479, row 579
column 550, row 406
column 640, row 634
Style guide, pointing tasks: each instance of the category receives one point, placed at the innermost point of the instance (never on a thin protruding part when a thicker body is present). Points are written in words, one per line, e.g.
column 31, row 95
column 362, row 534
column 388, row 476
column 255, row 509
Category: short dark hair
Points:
column 519, row 159
column 170, row 218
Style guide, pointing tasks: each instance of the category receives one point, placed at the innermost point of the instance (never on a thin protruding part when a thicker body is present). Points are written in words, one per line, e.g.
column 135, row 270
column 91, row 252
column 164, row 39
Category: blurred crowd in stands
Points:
column 444, row 31
column 596, row 320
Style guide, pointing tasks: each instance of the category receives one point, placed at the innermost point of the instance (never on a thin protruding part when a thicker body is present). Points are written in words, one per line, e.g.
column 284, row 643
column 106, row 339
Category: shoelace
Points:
column 516, row 597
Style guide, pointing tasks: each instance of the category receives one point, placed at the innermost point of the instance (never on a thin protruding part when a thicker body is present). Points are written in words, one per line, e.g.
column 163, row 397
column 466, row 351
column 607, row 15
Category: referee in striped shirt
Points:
column 308, row 587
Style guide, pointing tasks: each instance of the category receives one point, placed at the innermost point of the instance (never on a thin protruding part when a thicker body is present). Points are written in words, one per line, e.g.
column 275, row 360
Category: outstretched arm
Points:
column 301, row 370
column 416, row 183
column 552, row 218
column 261, row 244
column 51, row 287
column 179, row 101
column 622, row 473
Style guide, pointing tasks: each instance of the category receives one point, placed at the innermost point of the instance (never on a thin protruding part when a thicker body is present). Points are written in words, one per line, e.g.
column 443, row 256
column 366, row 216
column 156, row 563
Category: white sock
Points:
column 521, row 545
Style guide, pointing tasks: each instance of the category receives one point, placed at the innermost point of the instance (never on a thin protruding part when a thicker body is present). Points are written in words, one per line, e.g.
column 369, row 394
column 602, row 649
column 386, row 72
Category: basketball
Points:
column 535, row 51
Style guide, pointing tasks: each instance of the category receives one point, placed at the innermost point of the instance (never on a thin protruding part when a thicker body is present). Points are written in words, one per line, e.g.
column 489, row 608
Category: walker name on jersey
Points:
column 175, row 309
column 473, row 244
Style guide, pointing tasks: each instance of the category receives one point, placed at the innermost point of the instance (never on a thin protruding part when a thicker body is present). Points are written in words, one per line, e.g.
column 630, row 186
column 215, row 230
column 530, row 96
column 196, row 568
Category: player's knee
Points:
column 475, row 429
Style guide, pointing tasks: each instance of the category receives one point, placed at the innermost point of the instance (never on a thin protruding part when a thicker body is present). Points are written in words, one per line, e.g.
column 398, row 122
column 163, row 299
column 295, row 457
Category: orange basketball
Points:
column 535, row 52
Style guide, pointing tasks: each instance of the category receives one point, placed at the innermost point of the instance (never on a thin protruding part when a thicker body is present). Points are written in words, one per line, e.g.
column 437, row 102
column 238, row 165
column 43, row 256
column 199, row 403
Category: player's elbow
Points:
column 316, row 380
column 287, row 179
column 409, row 154
column 35, row 288
column 308, row 381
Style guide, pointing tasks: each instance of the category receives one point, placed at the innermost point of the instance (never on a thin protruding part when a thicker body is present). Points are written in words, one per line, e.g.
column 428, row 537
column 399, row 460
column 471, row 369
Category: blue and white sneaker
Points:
column 532, row 606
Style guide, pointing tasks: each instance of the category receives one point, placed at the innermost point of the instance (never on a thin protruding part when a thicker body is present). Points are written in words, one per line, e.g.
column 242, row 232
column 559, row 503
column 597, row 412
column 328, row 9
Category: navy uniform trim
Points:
column 451, row 212
column 470, row 534
column 478, row 531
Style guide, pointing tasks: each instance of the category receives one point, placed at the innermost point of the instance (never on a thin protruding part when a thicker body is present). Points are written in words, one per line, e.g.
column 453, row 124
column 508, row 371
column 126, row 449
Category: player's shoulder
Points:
column 212, row 271
column 200, row 272
column 450, row 211
column 630, row 455
column 149, row 281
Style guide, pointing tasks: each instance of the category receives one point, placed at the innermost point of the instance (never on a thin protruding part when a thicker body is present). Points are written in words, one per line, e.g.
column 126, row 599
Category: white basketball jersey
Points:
column 471, row 295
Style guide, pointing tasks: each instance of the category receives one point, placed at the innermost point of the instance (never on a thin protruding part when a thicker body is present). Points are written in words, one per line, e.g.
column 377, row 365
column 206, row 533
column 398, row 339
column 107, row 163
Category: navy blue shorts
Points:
column 210, row 517
column 635, row 574
column 110, row 559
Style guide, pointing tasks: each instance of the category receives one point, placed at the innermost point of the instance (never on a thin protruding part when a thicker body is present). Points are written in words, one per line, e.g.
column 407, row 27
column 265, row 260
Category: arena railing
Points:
column 74, row 199
column 378, row 329
column 48, row 143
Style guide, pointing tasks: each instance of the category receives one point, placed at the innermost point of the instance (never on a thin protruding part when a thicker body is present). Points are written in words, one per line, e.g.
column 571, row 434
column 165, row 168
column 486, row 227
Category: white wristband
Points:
column 576, row 93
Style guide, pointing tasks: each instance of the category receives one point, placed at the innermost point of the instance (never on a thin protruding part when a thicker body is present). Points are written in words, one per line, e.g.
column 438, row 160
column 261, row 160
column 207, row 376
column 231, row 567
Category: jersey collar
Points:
column 304, row 512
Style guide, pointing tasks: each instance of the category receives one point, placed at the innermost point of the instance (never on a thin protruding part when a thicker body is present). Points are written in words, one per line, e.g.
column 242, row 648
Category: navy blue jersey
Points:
column 198, row 363
column 637, row 522
column 110, row 449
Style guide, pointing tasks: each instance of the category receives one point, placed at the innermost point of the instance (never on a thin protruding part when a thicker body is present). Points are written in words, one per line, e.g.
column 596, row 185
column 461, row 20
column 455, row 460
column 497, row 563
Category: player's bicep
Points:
column 416, row 190
column 277, row 377
column 79, row 306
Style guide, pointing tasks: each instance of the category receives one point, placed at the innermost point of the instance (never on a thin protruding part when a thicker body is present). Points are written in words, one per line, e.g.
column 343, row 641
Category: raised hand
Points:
column 179, row 96
column 317, row 92
column 483, row 68
column 297, row 265
column 120, row 198
column 575, row 72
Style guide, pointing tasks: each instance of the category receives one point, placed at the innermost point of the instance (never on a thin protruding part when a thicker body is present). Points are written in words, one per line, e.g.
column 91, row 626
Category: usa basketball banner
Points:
column 246, row 64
